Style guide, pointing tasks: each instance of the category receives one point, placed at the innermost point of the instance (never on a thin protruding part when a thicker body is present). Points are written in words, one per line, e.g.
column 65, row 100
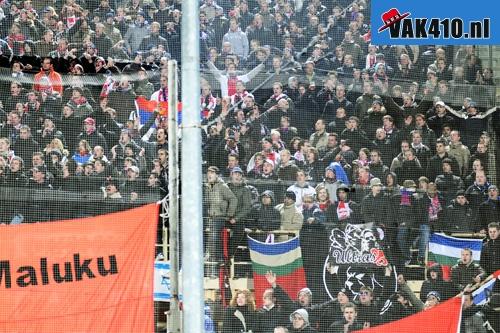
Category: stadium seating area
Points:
column 308, row 130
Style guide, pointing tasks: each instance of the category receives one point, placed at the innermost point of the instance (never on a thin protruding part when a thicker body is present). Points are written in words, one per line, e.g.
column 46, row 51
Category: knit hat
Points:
column 409, row 184
column 90, row 121
column 291, row 195
column 304, row 290
column 237, row 169
column 213, row 169
column 375, row 182
column 268, row 193
column 435, row 294
column 302, row 313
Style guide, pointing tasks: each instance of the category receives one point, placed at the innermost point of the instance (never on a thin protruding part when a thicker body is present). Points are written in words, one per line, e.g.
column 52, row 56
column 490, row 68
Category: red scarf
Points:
column 79, row 101
column 231, row 85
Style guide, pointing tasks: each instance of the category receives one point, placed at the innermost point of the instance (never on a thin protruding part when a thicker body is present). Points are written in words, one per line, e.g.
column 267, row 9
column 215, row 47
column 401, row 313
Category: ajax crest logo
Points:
column 400, row 26
column 391, row 17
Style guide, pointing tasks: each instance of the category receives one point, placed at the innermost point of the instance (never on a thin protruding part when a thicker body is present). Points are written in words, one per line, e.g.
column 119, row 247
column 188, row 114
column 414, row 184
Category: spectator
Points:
column 435, row 282
column 291, row 216
column 459, row 151
column 92, row 135
column 319, row 139
column 374, row 118
column 14, row 175
column 478, row 192
column 472, row 318
column 244, row 200
column 459, row 214
column 344, row 211
column 237, row 38
column 228, row 81
column 422, row 152
column 466, row 272
column 300, row 322
column 136, row 33
column 435, row 164
column 48, row 80
column 405, row 206
column 301, row 188
column 489, row 210
column 313, row 167
column 287, row 170
column 473, row 122
column 83, row 153
column 490, row 252
column 447, row 183
column 153, row 40
column 440, row 118
column 264, row 216
column 240, row 315
column 367, row 308
column 340, row 100
column 25, row 145
column 410, row 167
column 313, row 243
column 350, row 321
column 220, row 204
column 376, row 166
column 375, row 206
column 270, row 316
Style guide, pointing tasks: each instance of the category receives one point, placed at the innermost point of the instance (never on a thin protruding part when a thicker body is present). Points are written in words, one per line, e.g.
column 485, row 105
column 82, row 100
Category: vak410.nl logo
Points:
column 403, row 26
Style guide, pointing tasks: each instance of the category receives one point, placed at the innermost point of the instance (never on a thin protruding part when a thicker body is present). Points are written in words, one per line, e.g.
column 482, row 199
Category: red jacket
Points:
column 48, row 83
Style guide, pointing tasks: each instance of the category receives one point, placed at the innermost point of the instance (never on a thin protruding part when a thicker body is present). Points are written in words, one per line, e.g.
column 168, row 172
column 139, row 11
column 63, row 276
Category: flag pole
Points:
column 191, row 178
column 174, row 314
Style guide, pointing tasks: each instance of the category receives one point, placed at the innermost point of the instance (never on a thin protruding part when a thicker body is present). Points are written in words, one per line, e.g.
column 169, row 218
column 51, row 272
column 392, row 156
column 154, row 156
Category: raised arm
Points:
column 215, row 71
column 487, row 113
column 459, row 114
column 250, row 75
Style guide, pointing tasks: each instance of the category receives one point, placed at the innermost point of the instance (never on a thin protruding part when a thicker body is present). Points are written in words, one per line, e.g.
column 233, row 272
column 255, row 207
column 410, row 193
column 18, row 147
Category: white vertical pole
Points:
column 174, row 314
column 191, row 203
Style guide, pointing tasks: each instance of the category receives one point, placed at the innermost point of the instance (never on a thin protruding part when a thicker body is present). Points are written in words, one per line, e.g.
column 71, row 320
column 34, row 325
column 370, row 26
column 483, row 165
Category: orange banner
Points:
column 84, row 275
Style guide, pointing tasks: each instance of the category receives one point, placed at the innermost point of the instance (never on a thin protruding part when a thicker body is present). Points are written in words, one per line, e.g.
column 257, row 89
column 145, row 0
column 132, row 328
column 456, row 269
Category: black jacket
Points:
column 445, row 288
column 459, row 218
column 490, row 256
column 233, row 325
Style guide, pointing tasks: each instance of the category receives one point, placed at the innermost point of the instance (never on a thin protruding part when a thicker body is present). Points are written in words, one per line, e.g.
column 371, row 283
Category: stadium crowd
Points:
column 307, row 126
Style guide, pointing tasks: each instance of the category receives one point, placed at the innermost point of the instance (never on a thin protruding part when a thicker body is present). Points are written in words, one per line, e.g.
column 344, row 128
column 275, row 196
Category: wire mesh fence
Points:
column 338, row 174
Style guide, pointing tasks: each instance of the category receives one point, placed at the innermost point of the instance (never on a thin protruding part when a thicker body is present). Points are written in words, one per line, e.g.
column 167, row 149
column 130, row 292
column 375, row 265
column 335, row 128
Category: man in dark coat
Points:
column 350, row 322
column 489, row 210
column 459, row 215
column 93, row 137
column 435, row 164
column 25, row 145
column 466, row 272
column 264, row 216
column 244, row 197
column 490, row 253
column 447, row 183
column 270, row 315
column 435, row 282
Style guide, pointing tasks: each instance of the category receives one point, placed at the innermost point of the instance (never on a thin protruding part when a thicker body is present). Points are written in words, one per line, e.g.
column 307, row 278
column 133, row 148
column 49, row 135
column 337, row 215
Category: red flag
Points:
column 82, row 275
column 443, row 318
column 150, row 106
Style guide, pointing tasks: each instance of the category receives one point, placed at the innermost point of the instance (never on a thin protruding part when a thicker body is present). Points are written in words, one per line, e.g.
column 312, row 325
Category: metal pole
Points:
column 191, row 203
column 174, row 314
